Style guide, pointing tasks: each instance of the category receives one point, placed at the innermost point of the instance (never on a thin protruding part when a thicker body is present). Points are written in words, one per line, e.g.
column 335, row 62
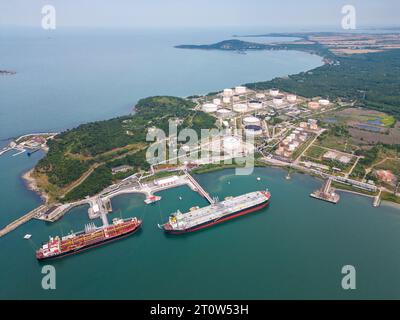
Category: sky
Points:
column 198, row 13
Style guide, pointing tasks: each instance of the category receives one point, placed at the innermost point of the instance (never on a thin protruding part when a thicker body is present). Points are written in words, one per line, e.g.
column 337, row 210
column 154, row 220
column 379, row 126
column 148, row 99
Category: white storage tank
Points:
column 209, row 107
column 274, row 92
column 226, row 99
column 231, row 143
column 223, row 112
column 278, row 100
column 228, row 92
column 291, row 98
column 240, row 107
column 240, row 90
column 217, row 101
column 251, row 121
column 253, row 130
column 324, row 102
column 255, row 104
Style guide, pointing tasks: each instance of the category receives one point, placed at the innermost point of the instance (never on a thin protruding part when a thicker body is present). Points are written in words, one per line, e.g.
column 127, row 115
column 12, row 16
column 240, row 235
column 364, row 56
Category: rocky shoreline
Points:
column 31, row 184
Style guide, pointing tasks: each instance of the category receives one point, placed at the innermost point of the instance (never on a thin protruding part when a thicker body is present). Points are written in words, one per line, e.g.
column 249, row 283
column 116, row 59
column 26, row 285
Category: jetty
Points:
column 377, row 199
column 100, row 204
column 30, row 215
column 326, row 193
column 199, row 188
column 22, row 143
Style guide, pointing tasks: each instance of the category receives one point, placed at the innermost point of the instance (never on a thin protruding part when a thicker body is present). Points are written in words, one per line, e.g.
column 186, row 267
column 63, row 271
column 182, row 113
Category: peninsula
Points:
column 7, row 72
column 80, row 161
column 338, row 122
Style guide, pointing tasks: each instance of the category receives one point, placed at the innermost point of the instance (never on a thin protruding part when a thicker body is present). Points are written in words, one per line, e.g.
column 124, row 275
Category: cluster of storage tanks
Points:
column 278, row 98
column 291, row 143
column 231, row 144
column 228, row 95
column 233, row 96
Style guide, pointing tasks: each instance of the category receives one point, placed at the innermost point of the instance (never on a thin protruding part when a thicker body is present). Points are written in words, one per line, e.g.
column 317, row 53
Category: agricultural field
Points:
column 392, row 136
column 366, row 126
column 337, row 137
column 315, row 152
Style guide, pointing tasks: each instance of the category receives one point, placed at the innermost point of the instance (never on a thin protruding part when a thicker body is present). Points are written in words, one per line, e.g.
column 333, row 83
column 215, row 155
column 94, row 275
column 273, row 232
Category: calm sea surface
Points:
column 293, row 249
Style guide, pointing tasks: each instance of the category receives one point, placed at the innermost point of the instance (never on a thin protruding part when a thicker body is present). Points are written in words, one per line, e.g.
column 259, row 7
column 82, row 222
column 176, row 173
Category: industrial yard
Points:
column 300, row 133
column 271, row 127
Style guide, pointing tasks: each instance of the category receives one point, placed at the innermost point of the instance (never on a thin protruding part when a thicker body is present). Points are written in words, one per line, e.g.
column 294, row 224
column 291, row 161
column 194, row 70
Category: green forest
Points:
column 103, row 145
column 372, row 79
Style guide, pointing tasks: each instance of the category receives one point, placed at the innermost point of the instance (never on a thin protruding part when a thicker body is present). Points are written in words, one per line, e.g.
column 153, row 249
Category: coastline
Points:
column 390, row 204
column 31, row 184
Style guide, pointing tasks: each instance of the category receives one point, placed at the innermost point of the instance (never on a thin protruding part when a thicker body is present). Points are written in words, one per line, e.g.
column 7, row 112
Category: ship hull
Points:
column 90, row 246
column 223, row 219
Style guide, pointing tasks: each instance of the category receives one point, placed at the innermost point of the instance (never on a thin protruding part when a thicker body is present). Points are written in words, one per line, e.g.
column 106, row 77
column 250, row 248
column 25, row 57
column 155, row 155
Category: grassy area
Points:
column 350, row 188
column 388, row 121
column 315, row 152
column 216, row 166
column 337, row 140
column 392, row 165
column 302, row 147
column 388, row 196
column 159, row 175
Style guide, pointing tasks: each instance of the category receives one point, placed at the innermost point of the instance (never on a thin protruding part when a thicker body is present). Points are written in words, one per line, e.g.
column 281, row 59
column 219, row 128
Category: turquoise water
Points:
column 293, row 249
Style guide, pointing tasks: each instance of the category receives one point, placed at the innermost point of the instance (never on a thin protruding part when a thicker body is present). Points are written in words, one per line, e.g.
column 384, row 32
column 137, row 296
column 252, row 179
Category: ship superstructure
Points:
column 198, row 218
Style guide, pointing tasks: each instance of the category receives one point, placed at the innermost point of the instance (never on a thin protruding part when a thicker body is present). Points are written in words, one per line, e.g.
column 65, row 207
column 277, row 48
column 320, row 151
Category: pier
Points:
column 100, row 205
column 5, row 149
column 199, row 188
column 99, row 208
column 23, row 146
column 377, row 199
column 326, row 193
column 15, row 224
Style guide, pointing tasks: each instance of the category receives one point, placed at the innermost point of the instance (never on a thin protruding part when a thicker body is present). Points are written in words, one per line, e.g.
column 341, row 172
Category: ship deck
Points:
column 221, row 209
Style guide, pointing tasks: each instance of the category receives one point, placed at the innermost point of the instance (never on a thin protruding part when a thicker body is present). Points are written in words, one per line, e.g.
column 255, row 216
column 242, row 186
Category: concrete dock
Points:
column 30, row 215
column 100, row 205
column 326, row 193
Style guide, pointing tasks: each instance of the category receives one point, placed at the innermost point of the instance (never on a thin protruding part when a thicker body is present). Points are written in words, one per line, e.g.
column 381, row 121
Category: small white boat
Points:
column 151, row 199
column 180, row 198
column 258, row 178
column 27, row 236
